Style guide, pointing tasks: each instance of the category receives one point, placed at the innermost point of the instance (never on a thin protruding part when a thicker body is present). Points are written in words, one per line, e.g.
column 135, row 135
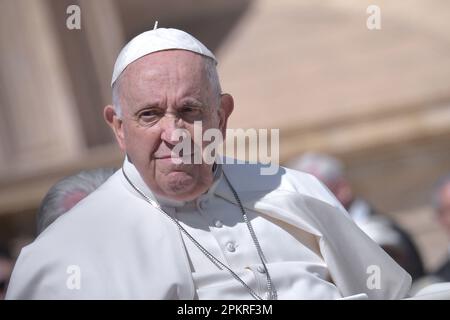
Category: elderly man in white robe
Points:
column 161, row 229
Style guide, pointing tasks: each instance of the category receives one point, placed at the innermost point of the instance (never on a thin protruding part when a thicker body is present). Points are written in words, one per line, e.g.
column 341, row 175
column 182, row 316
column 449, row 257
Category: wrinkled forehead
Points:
column 174, row 67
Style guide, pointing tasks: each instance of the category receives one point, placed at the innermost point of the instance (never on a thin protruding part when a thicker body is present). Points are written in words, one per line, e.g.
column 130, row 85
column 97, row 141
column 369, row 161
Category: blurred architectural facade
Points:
column 377, row 99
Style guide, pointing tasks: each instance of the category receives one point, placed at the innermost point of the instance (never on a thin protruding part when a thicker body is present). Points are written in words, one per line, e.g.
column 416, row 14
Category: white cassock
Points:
column 123, row 248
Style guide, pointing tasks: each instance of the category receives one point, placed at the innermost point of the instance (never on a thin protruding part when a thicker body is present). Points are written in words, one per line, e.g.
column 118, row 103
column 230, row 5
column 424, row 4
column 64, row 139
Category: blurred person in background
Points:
column 66, row 193
column 6, row 266
column 441, row 203
column 383, row 230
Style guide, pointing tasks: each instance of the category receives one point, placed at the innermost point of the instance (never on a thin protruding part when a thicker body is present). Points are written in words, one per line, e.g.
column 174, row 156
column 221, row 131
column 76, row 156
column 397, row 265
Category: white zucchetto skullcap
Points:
column 157, row 40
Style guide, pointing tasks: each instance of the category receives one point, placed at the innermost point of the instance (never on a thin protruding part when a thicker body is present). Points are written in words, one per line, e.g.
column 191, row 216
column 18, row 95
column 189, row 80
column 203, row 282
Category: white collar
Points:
column 135, row 177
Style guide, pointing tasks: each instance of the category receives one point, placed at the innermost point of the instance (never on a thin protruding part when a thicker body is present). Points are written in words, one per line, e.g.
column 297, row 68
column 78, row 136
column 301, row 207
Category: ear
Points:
column 116, row 124
column 225, row 110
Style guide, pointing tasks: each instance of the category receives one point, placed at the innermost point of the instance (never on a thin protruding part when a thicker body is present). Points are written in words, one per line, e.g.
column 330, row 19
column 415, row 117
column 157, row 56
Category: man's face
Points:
column 159, row 93
column 444, row 207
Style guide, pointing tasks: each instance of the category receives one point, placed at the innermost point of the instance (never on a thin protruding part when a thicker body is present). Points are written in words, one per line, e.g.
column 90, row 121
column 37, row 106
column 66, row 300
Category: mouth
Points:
column 162, row 157
column 170, row 156
column 175, row 159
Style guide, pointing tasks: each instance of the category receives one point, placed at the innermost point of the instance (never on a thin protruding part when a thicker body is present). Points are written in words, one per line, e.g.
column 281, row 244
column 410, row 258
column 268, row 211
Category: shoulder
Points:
column 250, row 178
column 108, row 205
column 91, row 236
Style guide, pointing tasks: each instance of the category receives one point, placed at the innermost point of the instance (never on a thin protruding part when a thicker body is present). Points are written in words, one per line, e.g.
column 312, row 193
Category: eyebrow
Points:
column 185, row 101
column 192, row 101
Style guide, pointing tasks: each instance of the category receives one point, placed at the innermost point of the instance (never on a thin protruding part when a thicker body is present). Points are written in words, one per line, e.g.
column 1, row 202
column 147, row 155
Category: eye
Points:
column 190, row 113
column 150, row 116
column 188, row 109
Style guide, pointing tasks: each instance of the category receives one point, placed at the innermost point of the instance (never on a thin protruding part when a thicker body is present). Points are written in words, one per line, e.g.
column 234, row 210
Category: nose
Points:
column 170, row 123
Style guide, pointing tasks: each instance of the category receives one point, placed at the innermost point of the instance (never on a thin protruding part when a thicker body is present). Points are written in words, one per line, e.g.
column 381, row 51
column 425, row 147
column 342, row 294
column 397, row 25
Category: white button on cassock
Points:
column 202, row 204
column 218, row 224
column 231, row 247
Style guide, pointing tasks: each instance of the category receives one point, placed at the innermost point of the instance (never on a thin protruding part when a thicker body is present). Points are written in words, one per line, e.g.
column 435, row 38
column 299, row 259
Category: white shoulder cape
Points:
column 124, row 249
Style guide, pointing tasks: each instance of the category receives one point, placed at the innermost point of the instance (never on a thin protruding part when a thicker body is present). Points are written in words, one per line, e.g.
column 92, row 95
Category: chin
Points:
column 185, row 190
column 180, row 184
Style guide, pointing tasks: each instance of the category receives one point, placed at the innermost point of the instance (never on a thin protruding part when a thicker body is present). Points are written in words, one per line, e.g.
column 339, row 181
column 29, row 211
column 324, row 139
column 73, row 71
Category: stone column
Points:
column 39, row 123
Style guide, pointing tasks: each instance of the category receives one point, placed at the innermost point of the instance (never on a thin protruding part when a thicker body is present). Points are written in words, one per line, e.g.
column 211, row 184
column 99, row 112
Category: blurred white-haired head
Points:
column 328, row 170
column 324, row 167
column 66, row 193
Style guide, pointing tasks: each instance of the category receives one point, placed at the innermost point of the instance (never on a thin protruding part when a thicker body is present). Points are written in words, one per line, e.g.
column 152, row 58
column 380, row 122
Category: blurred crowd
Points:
column 386, row 232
